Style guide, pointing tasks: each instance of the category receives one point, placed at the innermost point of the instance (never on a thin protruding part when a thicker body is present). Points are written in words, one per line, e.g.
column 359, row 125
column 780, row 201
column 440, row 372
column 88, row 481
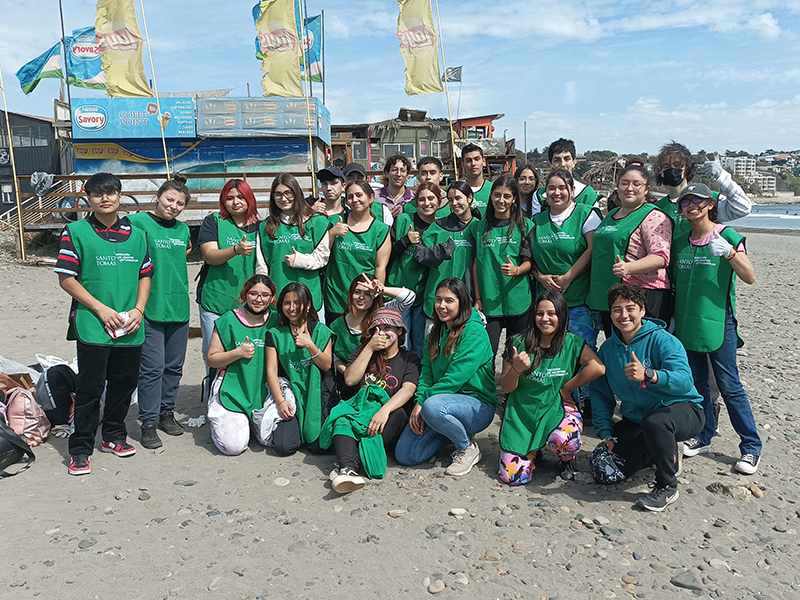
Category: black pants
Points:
column 119, row 366
column 659, row 304
column 654, row 441
column 287, row 439
column 512, row 325
column 347, row 447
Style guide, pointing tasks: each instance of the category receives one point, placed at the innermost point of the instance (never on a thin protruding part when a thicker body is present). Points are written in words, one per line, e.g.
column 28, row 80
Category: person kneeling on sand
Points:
column 647, row 369
column 456, row 393
column 353, row 426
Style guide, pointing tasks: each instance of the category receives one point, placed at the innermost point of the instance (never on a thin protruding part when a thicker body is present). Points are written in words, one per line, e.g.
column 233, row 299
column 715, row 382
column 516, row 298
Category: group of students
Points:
column 372, row 326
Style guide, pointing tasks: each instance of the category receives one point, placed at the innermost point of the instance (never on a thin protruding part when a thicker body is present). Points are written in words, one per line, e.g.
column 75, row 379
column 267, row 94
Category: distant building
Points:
column 741, row 166
column 35, row 149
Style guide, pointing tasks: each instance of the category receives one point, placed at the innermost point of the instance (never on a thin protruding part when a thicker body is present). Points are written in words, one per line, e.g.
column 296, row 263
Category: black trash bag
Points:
column 606, row 467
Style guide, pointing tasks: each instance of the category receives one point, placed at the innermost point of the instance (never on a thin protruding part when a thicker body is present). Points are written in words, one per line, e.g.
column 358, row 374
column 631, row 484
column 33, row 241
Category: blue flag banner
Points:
column 48, row 65
column 84, row 65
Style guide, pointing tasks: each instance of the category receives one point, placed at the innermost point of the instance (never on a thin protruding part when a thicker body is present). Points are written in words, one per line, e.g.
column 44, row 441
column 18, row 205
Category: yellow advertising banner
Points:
column 279, row 42
column 418, row 46
column 117, row 34
column 110, row 151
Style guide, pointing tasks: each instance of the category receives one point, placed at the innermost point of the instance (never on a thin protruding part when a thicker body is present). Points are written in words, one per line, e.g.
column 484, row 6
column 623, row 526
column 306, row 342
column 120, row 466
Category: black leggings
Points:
column 512, row 325
column 347, row 447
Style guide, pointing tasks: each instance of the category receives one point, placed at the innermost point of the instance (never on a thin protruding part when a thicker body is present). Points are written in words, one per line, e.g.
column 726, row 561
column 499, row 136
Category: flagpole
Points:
column 322, row 50
column 155, row 90
column 304, row 34
column 458, row 110
column 66, row 60
column 447, row 92
column 13, row 171
column 305, row 52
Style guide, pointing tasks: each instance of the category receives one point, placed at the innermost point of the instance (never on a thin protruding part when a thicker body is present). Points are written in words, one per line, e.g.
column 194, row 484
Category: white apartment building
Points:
column 741, row 166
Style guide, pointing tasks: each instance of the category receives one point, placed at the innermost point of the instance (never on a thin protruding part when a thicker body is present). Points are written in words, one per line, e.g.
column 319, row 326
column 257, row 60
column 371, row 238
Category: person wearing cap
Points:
column 353, row 172
column 705, row 266
column 675, row 169
column 381, row 362
column 331, row 183
column 648, row 377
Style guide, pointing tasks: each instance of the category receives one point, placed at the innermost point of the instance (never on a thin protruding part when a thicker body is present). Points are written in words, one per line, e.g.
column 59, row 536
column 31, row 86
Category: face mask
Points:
column 672, row 177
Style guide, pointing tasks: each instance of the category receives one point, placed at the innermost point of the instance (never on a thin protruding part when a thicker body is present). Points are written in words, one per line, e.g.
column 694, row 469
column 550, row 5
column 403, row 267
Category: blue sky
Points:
column 611, row 74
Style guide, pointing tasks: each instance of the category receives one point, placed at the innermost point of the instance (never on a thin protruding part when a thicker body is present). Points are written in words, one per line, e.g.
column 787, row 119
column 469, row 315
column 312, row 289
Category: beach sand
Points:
column 186, row 522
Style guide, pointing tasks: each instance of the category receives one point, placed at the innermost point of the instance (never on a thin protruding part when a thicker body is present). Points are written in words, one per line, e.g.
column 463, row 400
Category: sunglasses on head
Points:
column 692, row 200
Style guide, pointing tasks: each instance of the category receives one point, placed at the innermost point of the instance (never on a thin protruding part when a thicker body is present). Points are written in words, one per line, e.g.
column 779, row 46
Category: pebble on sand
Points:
column 397, row 512
column 686, row 580
column 457, row 512
column 492, row 555
column 281, row 482
column 436, row 587
column 756, row 491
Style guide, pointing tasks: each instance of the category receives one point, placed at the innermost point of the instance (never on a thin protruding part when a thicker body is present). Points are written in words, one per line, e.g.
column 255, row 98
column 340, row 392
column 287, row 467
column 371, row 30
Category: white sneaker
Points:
column 748, row 464
column 464, row 460
column 347, row 481
column 693, row 447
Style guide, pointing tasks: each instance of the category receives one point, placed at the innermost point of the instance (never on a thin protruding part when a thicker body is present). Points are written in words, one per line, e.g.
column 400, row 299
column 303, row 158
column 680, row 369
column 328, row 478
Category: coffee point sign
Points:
column 127, row 118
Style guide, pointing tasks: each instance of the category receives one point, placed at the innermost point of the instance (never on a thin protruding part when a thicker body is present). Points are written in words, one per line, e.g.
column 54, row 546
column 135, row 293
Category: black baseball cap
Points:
column 329, row 173
column 354, row 168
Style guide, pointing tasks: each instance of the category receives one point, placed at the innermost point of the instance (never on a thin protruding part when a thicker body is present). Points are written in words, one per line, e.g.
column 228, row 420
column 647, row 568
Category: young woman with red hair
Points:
column 227, row 240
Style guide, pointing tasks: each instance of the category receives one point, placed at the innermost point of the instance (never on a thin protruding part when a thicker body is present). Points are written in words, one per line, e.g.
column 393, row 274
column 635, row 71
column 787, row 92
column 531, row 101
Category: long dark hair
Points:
column 458, row 288
column 301, row 209
column 464, row 188
column 527, row 198
column 365, row 187
column 516, row 218
column 532, row 337
column 304, row 296
column 376, row 304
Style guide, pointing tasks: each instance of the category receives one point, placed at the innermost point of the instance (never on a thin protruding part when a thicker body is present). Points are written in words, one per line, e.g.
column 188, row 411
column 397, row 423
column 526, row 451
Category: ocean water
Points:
column 786, row 216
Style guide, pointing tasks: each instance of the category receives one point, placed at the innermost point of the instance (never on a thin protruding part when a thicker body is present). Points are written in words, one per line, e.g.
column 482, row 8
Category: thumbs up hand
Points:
column 620, row 268
column 520, row 362
column 508, row 268
column 290, row 258
column 247, row 349
column 244, row 248
column 634, row 370
column 712, row 168
column 340, row 228
column 413, row 236
column 719, row 246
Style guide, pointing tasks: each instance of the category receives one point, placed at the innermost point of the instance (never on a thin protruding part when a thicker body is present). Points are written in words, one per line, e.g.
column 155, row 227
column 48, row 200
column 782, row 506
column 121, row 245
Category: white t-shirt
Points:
column 591, row 223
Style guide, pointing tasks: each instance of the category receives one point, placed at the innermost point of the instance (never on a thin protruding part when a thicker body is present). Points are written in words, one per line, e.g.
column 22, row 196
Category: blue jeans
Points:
column 449, row 419
column 414, row 320
column 581, row 323
column 163, row 353
column 723, row 362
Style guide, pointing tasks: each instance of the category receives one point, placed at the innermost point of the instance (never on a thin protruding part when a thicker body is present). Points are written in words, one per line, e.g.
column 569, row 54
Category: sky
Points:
column 618, row 75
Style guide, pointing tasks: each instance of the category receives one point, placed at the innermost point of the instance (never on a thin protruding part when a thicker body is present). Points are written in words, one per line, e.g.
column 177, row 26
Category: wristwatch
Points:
column 649, row 375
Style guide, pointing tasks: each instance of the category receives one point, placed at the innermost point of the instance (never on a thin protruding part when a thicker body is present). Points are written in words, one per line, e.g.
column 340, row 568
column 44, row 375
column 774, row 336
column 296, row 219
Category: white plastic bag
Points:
column 12, row 367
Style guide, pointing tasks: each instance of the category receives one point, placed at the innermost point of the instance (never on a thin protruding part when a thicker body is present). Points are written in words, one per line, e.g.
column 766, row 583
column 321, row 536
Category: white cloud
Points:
column 570, row 92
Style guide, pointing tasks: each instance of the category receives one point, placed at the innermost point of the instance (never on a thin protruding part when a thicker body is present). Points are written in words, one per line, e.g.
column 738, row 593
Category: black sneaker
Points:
column 659, row 498
column 150, row 439
column 748, row 464
column 168, row 424
column 79, row 464
column 567, row 469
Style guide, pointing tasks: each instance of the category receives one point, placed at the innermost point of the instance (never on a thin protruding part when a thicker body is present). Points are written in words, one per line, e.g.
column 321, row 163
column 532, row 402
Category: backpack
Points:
column 24, row 415
column 55, row 392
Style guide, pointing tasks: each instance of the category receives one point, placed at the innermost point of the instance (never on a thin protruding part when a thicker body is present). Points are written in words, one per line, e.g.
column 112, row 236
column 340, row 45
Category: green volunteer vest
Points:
column 110, row 273
column 501, row 295
column 458, row 266
column 286, row 238
column 611, row 239
column 555, row 249
column 223, row 284
column 680, row 226
column 535, row 408
column 244, row 384
column 306, row 378
column 480, row 199
column 405, row 271
column 704, row 287
column 345, row 342
column 169, row 288
column 351, row 255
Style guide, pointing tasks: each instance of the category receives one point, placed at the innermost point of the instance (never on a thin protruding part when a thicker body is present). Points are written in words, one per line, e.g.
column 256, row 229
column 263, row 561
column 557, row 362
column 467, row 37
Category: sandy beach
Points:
column 185, row 521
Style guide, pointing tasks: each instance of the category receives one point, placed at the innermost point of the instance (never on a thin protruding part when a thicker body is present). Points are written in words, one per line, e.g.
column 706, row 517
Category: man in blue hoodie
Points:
column 647, row 369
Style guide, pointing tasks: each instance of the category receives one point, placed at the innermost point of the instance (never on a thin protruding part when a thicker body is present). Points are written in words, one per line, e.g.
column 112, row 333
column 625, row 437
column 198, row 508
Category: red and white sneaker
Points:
column 79, row 464
column 122, row 449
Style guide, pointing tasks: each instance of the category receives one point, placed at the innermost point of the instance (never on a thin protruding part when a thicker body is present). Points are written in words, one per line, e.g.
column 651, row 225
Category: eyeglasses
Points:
column 398, row 171
column 288, row 194
column 692, row 200
column 259, row 295
column 636, row 185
